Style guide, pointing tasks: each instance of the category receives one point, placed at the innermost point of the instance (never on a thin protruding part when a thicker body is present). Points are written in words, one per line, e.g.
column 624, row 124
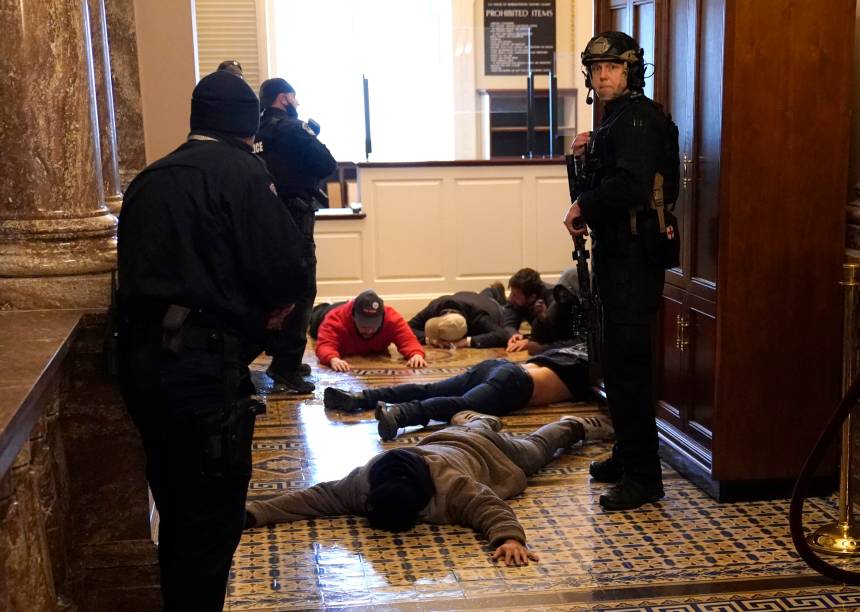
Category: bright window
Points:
column 403, row 47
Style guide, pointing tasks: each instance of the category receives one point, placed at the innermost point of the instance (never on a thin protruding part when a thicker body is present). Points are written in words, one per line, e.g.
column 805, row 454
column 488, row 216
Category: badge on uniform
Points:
column 670, row 232
column 308, row 129
column 272, row 188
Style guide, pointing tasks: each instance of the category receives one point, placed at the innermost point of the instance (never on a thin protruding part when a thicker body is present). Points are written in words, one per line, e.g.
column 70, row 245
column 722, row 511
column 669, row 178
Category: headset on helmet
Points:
column 615, row 47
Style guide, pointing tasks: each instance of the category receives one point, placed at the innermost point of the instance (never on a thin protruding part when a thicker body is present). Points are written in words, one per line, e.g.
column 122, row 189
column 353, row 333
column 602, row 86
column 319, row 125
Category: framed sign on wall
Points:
column 507, row 24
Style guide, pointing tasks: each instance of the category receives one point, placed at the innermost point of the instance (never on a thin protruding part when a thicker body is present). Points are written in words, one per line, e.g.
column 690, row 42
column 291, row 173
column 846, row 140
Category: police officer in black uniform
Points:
column 624, row 155
column 298, row 161
column 208, row 258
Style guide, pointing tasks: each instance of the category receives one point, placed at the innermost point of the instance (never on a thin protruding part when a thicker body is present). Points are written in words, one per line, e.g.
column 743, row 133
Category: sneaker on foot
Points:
column 389, row 418
column 498, row 290
column 606, row 470
column 290, row 382
column 629, row 494
column 345, row 401
column 593, row 427
column 468, row 416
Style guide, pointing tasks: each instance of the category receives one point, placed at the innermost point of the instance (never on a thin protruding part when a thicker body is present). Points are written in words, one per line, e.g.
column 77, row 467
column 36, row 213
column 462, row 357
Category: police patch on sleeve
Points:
column 308, row 129
column 272, row 188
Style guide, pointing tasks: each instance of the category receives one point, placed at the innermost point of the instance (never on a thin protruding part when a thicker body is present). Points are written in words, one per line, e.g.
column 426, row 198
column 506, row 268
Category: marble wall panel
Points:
column 27, row 564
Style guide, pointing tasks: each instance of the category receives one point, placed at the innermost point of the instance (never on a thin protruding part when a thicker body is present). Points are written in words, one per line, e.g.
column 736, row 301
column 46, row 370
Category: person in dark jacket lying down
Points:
column 459, row 475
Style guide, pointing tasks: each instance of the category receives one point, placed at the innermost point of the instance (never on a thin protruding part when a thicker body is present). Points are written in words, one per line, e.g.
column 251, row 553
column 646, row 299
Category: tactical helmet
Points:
column 616, row 47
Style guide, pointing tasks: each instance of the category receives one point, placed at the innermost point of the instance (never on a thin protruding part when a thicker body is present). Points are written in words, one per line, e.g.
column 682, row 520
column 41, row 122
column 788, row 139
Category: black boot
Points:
column 629, row 494
column 606, row 470
column 390, row 420
column 290, row 382
column 337, row 399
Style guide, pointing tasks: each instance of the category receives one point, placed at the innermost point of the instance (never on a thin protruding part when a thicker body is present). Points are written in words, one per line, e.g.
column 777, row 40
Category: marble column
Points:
column 57, row 238
column 105, row 105
column 122, row 33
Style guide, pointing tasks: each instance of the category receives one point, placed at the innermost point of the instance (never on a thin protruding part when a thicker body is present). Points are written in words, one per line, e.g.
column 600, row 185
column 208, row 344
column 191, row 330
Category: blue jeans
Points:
column 495, row 386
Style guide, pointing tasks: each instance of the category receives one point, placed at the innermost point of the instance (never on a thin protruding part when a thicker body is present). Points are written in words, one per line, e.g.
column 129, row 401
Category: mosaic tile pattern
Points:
column 685, row 553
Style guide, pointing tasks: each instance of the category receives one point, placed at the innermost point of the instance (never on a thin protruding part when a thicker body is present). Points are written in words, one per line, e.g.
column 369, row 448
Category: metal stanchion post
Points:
column 843, row 536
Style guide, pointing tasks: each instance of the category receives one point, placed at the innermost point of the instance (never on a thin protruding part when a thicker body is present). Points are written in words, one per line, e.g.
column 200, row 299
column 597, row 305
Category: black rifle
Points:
column 579, row 179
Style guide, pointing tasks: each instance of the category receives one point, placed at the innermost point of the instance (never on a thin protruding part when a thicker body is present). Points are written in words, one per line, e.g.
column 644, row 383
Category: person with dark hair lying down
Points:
column 558, row 325
column 459, row 475
column 494, row 386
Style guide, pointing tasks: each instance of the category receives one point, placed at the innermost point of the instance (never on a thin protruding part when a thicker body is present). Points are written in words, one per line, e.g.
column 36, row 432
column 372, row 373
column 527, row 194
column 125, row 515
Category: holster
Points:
column 171, row 325
column 227, row 437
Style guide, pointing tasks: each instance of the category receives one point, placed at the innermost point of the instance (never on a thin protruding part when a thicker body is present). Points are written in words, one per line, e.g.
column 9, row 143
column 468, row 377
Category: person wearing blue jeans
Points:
column 495, row 386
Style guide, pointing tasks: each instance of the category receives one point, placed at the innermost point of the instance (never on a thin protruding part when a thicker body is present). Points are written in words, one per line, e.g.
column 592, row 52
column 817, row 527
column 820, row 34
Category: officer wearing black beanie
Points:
column 209, row 257
column 224, row 102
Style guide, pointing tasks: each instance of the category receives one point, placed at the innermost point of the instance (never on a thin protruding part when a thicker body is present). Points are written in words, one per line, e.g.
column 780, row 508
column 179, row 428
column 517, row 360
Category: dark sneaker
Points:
column 389, row 418
column 629, row 494
column 498, row 290
column 336, row 399
column 292, row 382
column 606, row 470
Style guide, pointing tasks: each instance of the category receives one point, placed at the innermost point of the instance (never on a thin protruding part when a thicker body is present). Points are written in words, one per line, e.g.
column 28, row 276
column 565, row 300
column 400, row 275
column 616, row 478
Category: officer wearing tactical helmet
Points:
column 208, row 258
column 298, row 161
column 623, row 158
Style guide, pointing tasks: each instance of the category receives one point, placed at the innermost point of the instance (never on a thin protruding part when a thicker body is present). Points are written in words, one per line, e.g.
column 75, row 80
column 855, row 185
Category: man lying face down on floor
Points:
column 495, row 386
column 458, row 475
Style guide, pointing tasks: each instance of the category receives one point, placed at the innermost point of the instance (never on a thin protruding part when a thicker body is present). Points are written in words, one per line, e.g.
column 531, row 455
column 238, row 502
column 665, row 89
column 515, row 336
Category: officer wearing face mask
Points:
column 298, row 161
column 624, row 157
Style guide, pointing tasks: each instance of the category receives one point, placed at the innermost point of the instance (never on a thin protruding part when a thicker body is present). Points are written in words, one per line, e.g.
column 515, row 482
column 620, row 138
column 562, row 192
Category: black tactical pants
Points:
column 287, row 345
column 630, row 287
column 198, row 460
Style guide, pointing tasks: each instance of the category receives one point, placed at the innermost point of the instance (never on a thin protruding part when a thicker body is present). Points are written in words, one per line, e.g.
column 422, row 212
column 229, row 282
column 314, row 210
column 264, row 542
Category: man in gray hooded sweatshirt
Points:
column 460, row 475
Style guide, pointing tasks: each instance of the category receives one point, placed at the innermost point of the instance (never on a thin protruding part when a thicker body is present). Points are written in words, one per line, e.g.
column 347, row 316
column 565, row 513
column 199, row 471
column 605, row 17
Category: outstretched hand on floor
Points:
column 339, row 365
column 417, row 361
column 514, row 553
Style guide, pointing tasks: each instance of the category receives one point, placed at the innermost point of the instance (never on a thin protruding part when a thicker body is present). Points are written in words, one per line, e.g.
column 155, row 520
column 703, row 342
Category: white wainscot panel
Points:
column 408, row 222
column 554, row 244
column 489, row 216
column 338, row 256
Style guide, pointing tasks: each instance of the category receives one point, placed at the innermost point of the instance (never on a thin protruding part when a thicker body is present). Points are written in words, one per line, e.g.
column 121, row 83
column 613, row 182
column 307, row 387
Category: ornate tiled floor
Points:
column 685, row 553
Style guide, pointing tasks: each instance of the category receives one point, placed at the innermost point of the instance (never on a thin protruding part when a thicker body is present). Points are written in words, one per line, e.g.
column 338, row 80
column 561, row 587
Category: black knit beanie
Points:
column 400, row 487
column 224, row 102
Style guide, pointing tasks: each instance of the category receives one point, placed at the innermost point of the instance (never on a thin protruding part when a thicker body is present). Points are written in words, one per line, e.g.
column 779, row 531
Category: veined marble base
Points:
column 47, row 292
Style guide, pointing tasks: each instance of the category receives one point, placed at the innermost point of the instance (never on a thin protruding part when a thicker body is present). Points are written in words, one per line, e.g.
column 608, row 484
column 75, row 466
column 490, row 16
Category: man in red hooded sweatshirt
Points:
column 365, row 326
